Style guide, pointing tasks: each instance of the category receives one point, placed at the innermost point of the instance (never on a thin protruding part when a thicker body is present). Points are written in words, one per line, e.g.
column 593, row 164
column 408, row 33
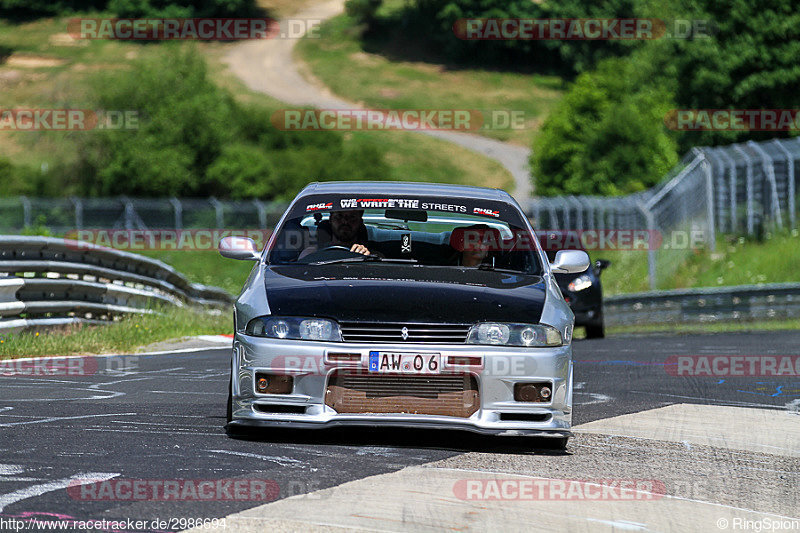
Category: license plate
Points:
column 404, row 363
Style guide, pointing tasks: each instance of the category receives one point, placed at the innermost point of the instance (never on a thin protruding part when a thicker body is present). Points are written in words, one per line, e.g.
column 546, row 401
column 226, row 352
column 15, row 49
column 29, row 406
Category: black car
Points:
column 584, row 294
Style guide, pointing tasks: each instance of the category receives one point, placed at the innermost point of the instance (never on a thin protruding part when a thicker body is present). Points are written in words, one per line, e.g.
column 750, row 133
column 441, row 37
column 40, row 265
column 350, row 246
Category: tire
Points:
column 596, row 331
column 229, row 411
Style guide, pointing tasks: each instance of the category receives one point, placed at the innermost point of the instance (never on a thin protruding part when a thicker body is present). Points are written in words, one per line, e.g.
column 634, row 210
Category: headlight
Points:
column 580, row 283
column 289, row 327
column 514, row 334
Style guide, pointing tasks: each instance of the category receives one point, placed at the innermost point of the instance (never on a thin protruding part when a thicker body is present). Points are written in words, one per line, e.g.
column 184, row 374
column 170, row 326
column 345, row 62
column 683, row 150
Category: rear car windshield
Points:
column 489, row 236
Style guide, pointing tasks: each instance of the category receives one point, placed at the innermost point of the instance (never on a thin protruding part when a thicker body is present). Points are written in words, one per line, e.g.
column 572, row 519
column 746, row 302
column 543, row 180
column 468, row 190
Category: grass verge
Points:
column 373, row 71
column 707, row 327
column 123, row 336
column 207, row 267
column 737, row 261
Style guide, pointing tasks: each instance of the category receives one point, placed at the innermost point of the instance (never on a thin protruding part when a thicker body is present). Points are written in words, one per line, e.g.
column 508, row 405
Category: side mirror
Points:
column 602, row 264
column 570, row 262
column 239, row 248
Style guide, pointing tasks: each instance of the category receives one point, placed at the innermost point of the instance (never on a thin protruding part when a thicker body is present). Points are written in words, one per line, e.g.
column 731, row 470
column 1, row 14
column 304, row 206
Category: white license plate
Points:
column 404, row 363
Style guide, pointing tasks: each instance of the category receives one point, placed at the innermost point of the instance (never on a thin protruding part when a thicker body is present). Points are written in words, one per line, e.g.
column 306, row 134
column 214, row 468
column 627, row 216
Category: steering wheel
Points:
column 335, row 247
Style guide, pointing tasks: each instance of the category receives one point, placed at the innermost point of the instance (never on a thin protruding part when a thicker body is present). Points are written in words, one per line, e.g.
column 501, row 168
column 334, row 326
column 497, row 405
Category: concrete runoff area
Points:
column 681, row 467
column 736, row 428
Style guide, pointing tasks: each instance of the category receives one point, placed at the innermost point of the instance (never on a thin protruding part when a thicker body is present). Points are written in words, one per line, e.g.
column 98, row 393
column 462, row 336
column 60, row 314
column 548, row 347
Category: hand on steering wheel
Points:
column 356, row 248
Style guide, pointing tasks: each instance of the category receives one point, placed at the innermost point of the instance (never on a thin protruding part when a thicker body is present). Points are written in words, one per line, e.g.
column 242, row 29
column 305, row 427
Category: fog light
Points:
column 344, row 357
column 545, row 392
column 463, row 360
column 526, row 392
column 273, row 383
column 533, row 392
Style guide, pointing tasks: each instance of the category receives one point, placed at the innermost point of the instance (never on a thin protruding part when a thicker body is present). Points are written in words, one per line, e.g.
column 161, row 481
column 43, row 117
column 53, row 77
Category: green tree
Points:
column 184, row 121
column 749, row 62
column 183, row 8
column 607, row 136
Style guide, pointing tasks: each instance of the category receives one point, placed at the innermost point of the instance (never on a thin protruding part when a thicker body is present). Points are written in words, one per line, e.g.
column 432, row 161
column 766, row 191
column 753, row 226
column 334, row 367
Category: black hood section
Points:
column 399, row 293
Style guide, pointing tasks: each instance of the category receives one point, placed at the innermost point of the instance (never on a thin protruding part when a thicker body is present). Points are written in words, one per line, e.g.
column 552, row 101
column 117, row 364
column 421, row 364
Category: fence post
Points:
column 130, row 216
column 78, row 203
column 709, row 203
column 733, row 184
column 578, row 211
column 769, row 170
column 601, row 214
column 749, row 185
column 567, row 216
column 218, row 211
column 719, row 185
column 177, row 208
column 128, row 213
column 26, row 211
column 651, row 252
column 790, row 185
column 262, row 213
column 553, row 216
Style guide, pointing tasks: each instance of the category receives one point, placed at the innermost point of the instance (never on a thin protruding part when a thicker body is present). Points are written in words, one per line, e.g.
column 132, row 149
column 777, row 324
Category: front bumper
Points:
column 311, row 368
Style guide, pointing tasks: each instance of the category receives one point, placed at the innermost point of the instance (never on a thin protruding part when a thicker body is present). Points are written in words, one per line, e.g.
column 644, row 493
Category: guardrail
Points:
column 738, row 303
column 47, row 281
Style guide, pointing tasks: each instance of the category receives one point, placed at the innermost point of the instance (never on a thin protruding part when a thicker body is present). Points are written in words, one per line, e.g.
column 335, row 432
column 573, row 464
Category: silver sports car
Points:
column 403, row 304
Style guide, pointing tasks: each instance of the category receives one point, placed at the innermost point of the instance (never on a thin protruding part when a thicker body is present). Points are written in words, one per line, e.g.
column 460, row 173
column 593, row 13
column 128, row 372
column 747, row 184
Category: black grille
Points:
column 417, row 333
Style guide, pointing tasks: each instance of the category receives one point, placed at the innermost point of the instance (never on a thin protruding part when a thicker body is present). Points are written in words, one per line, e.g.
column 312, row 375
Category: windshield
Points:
column 444, row 237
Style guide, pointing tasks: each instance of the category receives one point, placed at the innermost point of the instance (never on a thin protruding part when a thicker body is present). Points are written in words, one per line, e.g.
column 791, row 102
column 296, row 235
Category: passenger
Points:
column 474, row 243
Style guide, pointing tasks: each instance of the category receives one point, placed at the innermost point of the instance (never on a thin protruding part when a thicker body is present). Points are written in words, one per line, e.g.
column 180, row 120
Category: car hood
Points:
column 400, row 293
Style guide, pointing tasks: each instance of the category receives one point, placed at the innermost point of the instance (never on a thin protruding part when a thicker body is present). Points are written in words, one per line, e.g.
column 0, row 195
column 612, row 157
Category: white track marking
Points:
column 117, row 382
column 161, row 352
column 281, row 460
column 7, row 470
column 794, row 406
column 185, row 350
column 721, row 402
column 43, row 488
column 596, row 398
column 621, row 524
column 216, row 338
column 60, row 418
column 161, row 432
column 111, row 394
column 184, row 392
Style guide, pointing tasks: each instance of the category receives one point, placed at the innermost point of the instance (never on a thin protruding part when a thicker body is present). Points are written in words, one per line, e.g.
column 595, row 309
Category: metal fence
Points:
column 745, row 188
column 774, row 301
column 62, row 215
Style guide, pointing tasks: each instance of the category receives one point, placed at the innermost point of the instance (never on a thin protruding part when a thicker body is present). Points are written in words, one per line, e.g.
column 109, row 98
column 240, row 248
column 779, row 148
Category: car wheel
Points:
column 596, row 331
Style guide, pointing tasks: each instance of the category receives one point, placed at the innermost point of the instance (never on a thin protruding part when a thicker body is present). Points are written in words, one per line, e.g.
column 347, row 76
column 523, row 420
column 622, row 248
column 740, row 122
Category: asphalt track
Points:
column 157, row 417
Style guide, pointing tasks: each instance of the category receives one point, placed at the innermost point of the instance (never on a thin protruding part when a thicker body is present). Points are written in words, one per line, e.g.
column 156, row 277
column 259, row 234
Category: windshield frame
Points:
column 504, row 213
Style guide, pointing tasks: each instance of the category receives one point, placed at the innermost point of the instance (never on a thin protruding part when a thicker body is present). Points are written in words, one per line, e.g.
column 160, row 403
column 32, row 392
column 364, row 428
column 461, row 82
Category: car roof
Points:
column 397, row 188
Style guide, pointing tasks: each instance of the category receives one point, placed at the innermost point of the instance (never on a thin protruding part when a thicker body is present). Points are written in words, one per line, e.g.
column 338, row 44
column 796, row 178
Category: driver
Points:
column 347, row 227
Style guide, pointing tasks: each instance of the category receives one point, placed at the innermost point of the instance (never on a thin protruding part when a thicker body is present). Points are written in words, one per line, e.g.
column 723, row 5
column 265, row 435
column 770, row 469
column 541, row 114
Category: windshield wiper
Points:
column 491, row 268
column 364, row 259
